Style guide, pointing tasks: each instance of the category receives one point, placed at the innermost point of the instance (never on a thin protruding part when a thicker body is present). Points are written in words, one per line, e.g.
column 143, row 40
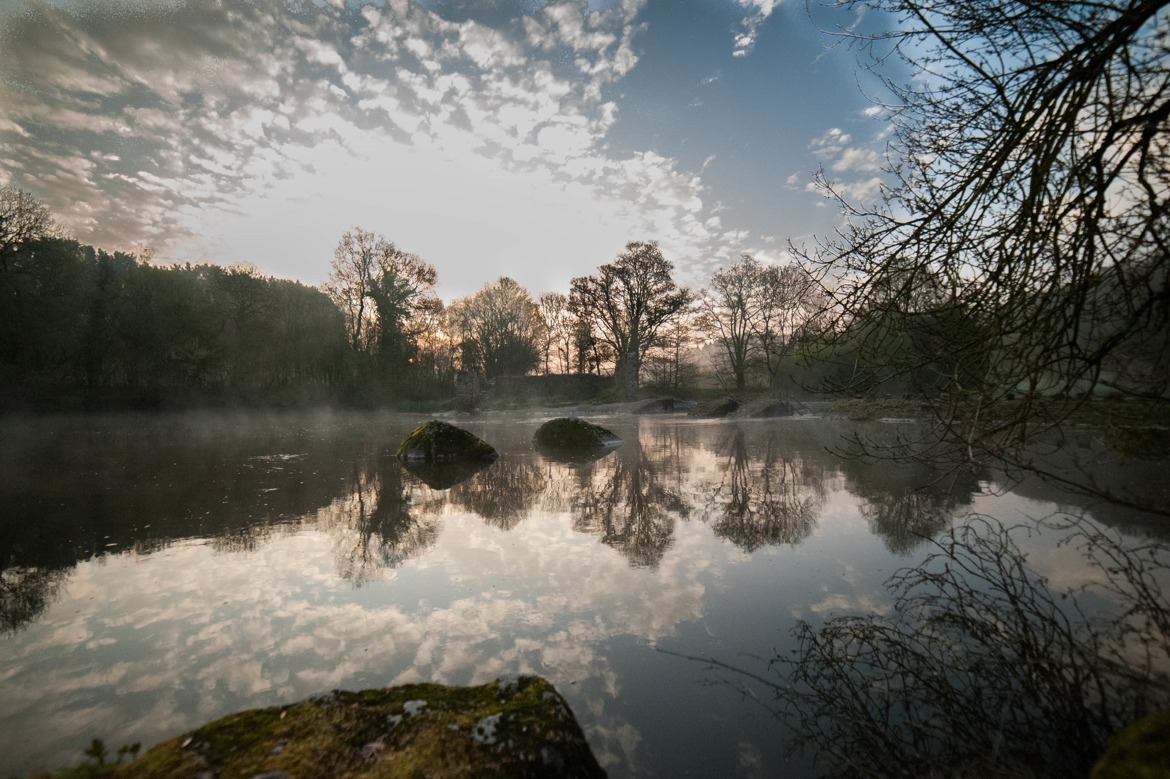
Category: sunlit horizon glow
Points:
column 528, row 139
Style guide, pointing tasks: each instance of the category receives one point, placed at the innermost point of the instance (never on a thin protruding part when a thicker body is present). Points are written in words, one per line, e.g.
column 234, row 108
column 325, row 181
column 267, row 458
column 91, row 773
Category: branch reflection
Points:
column 373, row 527
column 984, row 670
column 631, row 500
column 766, row 498
column 25, row 593
column 504, row 493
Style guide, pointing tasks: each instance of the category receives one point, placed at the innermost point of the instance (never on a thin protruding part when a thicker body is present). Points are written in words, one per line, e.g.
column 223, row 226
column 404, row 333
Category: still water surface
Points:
column 159, row 572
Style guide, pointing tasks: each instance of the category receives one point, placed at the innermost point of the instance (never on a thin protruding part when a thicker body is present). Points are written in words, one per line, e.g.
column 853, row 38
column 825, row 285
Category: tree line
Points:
column 80, row 324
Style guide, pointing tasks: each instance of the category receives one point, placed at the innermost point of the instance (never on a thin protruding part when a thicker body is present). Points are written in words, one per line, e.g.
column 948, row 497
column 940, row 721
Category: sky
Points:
column 491, row 137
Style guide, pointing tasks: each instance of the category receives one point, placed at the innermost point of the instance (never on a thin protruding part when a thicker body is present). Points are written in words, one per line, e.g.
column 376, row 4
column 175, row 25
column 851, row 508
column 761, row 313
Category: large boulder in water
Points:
column 437, row 441
column 516, row 728
column 572, row 434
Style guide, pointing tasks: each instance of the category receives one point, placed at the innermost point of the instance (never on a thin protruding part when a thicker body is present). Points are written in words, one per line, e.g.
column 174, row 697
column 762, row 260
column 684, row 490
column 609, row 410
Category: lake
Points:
column 161, row 571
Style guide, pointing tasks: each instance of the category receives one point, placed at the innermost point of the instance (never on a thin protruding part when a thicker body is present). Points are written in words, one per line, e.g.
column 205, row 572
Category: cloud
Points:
column 260, row 133
column 758, row 12
column 853, row 166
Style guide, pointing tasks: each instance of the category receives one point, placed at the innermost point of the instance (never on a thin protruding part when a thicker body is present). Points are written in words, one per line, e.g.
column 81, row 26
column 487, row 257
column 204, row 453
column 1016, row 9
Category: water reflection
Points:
column 173, row 574
column 25, row 593
column 766, row 496
column 984, row 669
column 909, row 503
column 504, row 493
column 373, row 527
column 444, row 475
column 632, row 500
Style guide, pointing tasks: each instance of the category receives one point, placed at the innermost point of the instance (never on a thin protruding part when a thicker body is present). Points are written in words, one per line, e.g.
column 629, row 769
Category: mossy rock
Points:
column 716, row 408
column 437, row 441
column 1140, row 751
column 572, row 434
column 516, row 728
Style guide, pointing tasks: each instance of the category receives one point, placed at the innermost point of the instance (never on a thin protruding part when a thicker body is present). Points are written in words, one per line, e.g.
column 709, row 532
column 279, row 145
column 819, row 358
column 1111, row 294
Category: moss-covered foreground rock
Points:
column 1141, row 751
column 507, row 728
column 437, row 441
column 570, row 433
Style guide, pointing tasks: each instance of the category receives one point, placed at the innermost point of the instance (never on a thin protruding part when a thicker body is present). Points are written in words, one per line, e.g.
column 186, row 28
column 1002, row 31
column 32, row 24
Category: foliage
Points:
column 627, row 304
column 1021, row 251
column 23, row 219
column 124, row 332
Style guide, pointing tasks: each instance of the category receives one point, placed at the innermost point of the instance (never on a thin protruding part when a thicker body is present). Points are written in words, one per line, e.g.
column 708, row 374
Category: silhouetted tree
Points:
column 369, row 273
column 730, row 306
column 1026, row 228
column 23, row 219
column 556, row 332
column 627, row 304
column 498, row 329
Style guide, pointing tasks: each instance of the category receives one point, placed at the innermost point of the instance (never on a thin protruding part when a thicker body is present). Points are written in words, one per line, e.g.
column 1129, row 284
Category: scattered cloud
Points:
column 758, row 12
column 261, row 133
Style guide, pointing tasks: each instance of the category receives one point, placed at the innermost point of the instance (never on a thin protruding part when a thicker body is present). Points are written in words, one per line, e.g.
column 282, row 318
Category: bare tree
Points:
column 498, row 329
column 556, row 333
column 23, row 218
column 730, row 306
column 627, row 303
column 1027, row 229
column 757, row 313
column 790, row 306
column 377, row 287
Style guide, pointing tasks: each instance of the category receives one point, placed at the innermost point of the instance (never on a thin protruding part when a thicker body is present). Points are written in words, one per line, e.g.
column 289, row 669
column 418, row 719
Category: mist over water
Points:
column 161, row 571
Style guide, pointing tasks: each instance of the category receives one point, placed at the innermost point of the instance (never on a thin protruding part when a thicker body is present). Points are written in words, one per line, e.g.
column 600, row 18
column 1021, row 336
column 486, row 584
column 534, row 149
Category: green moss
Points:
column 515, row 728
column 1141, row 751
column 571, row 433
column 436, row 441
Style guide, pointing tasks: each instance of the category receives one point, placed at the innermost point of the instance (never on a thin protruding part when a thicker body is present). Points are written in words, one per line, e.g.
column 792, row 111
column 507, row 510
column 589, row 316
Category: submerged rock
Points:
column 715, row 408
column 770, row 408
column 657, row 406
column 515, row 728
column 572, row 434
column 437, row 441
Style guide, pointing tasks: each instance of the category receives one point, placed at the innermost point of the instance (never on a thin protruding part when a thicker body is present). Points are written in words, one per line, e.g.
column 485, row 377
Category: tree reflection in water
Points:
column 373, row 527
column 631, row 501
column 909, row 502
column 503, row 494
column 767, row 499
column 984, row 670
column 25, row 593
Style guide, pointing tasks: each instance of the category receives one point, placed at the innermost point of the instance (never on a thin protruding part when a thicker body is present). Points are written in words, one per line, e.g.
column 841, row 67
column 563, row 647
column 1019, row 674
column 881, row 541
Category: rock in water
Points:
column 715, row 409
column 519, row 727
column 574, row 434
column 436, row 441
